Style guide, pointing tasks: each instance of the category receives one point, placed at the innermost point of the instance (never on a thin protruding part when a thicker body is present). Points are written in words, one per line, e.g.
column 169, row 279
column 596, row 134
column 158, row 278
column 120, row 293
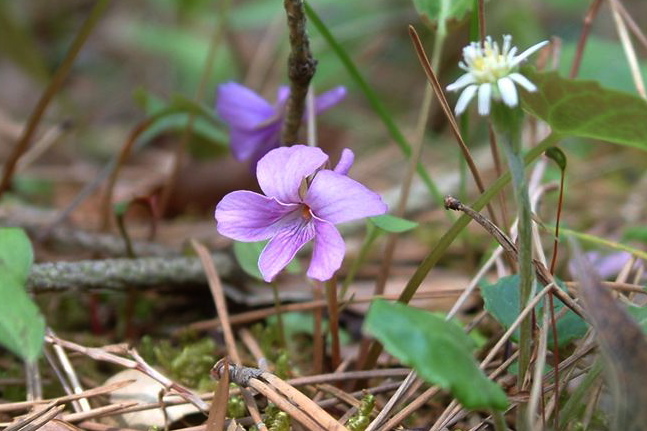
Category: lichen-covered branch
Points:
column 121, row 274
column 301, row 69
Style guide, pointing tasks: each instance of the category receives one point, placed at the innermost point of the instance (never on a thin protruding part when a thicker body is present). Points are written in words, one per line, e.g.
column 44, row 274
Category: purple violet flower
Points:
column 255, row 124
column 303, row 201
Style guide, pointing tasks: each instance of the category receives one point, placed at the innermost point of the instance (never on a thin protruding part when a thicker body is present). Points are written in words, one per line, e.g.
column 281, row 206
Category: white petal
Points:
column 465, row 98
column 527, row 53
column 485, row 94
column 523, row 81
column 507, row 40
column 508, row 91
column 461, row 82
column 511, row 54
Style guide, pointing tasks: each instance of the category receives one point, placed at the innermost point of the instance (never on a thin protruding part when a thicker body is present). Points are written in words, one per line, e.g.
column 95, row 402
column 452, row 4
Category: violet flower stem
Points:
column 279, row 315
column 333, row 317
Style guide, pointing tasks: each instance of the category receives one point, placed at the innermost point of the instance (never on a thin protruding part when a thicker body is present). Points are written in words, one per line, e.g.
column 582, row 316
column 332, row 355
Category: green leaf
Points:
column 599, row 53
column 22, row 327
column 502, row 302
column 295, row 323
column 585, row 109
column 247, row 254
column 392, row 223
column 16, row 255
column 640, row 314
column 434, row 11
column 438, row 350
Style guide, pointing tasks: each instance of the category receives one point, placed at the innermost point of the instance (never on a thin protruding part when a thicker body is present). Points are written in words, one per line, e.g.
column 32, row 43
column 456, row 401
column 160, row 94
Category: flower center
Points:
column 305, row 212
column 487, row 63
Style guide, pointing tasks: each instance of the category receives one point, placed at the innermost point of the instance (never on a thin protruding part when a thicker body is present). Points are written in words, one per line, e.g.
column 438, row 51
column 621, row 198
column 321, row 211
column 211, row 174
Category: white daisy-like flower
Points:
column 492, row 73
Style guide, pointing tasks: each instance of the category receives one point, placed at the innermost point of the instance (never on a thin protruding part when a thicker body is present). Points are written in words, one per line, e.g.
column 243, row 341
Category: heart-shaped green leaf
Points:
column 22, row 327
column 438, row 350
column 585, row 109
column 502, row 302
column 16, row 255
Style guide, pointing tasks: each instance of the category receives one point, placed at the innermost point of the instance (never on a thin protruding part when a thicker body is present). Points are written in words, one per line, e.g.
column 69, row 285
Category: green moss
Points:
column 360, row 420
column 189, row 364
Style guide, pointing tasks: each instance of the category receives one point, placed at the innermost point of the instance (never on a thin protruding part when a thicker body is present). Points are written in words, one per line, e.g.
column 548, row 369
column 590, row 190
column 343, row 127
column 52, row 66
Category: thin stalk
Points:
column 372, row 233
column 591, row 13
column 279, row 315
column 318, row 344
column 512, row 149
column 481, row 19
column 333, row 318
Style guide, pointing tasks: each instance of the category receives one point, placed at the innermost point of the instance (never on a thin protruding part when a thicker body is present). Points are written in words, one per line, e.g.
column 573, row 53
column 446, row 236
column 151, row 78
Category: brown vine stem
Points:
column 301, row 69
column 126, row 149
column 50, row 91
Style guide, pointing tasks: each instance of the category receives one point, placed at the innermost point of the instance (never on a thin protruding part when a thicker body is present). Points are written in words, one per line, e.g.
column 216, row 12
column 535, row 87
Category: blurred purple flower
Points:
column 609, row 266
column 303, row 201
column 255, row 124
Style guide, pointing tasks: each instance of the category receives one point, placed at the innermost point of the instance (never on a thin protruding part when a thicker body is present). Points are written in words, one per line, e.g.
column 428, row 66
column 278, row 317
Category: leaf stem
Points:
column 511, row 142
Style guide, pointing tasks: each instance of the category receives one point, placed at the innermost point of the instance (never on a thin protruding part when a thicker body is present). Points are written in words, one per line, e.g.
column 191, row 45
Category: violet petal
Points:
column 247, row 216
column 338, row 198
column 282, row 95
column 254, row 143
column 329, row 99
column 328, row 251
column 284, row 246
column 281, row 171
column 345, row 161
column 242, row 108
